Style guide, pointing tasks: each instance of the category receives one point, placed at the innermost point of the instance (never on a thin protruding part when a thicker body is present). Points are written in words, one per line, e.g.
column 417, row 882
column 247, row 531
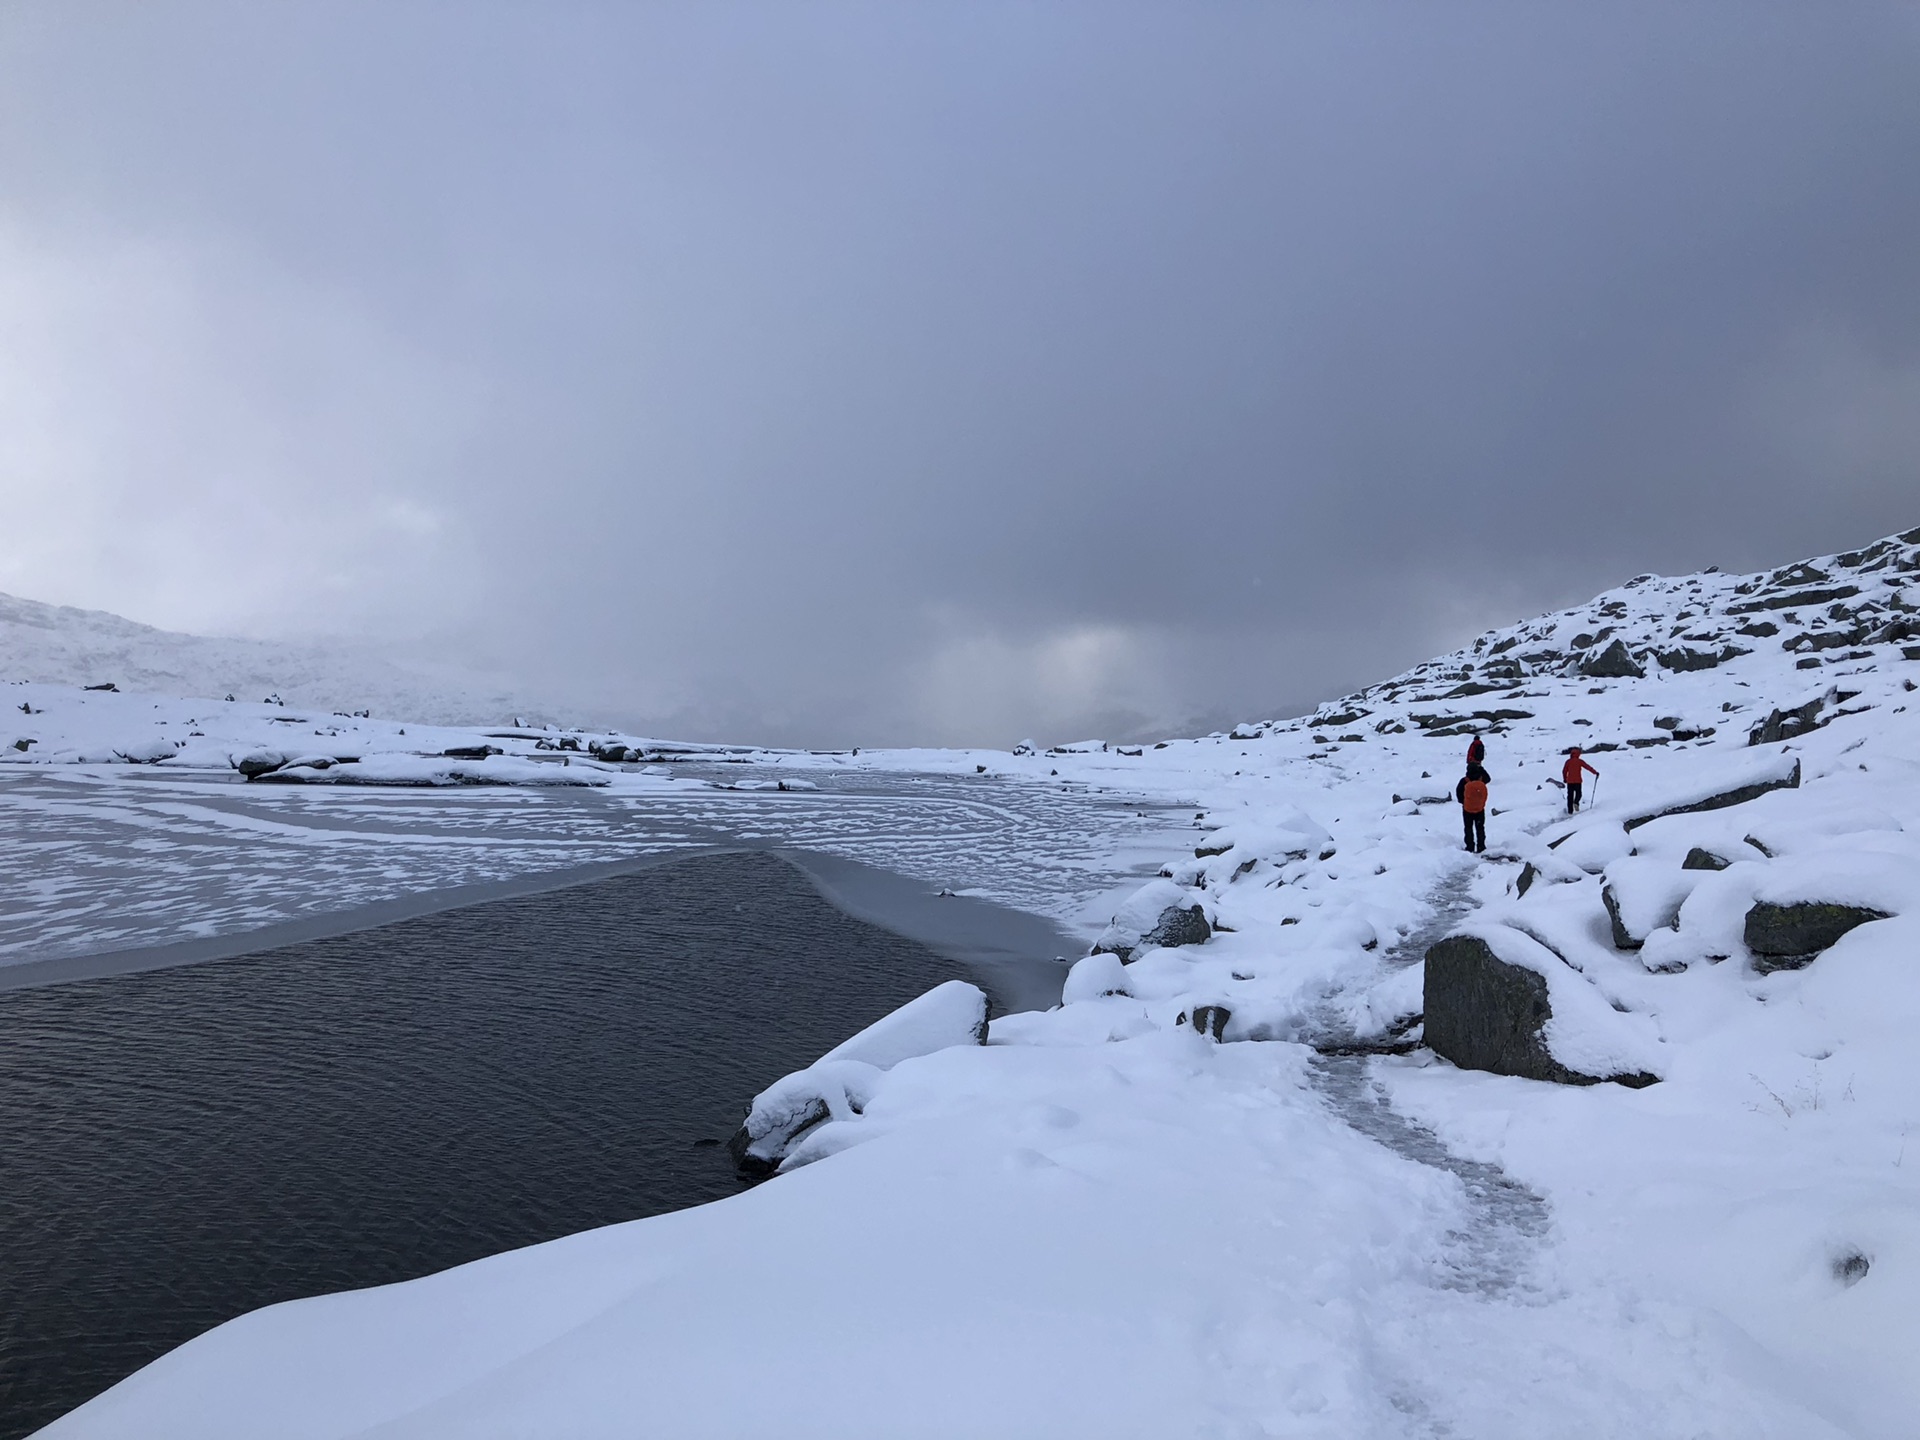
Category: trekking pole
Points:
column 1594, row 799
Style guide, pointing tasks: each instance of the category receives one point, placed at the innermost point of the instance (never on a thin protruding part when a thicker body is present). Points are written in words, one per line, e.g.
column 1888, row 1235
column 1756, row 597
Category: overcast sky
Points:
column 944, row 372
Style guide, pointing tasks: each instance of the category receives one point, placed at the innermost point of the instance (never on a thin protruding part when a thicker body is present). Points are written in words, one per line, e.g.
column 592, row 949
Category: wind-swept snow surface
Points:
column 1224, row 1190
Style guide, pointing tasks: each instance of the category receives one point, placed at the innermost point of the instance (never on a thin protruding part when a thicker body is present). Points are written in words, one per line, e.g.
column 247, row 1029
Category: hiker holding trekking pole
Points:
column 1570, row 772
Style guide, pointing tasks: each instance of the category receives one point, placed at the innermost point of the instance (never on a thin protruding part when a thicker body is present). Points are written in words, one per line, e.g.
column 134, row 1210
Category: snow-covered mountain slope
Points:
column 1226, row 1190
column 58, row 644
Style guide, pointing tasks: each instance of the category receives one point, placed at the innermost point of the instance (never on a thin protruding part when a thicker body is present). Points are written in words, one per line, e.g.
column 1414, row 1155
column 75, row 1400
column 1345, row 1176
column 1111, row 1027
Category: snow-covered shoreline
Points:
column 1117, row 1217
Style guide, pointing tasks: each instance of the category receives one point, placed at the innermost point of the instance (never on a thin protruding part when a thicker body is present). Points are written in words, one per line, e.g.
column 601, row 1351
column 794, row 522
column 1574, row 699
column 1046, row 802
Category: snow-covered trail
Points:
column 1505, row 1223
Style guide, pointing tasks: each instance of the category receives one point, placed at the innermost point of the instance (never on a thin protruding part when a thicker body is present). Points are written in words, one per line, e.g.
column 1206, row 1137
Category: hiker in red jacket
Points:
column 1476, row 751
column 1570, row 772
column 1471, row 792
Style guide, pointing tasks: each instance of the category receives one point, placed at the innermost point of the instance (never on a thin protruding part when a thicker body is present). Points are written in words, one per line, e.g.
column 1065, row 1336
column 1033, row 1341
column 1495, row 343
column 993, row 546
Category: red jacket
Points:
column 1570, row 772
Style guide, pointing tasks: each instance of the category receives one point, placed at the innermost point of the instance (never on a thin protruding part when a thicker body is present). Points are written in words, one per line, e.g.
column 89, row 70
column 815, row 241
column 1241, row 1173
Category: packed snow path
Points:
column 1492, row 1253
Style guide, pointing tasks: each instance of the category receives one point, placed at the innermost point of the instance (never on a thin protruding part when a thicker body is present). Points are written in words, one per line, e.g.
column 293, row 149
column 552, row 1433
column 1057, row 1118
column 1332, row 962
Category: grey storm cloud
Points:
column 944, row 373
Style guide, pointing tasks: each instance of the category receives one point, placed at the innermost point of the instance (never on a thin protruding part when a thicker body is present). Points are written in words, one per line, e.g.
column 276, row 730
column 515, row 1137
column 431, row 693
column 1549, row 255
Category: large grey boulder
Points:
column 1483, row 1012
column 1786, row 937
column 1615, row 662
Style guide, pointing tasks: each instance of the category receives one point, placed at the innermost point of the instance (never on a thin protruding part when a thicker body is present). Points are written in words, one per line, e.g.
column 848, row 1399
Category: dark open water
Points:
column 183, row 1145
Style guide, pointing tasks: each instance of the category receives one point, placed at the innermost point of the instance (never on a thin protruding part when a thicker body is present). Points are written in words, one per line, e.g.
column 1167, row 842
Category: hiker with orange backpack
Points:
column 1471, row 792
column 1570, row 772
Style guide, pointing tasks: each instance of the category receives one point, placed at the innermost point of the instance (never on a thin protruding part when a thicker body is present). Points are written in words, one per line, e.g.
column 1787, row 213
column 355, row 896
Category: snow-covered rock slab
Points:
column 1719, row 791
column 427, row 770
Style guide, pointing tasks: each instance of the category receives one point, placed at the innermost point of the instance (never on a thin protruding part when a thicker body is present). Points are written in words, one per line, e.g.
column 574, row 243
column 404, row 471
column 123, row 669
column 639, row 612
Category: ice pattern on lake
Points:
column 106, row 858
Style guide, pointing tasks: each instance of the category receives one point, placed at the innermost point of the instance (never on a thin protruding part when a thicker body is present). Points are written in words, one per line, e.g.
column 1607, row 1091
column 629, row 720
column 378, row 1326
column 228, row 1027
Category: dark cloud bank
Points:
column 946, row 373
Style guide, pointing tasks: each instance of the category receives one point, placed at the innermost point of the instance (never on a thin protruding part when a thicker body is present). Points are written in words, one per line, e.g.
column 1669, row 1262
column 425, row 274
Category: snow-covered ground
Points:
column 1299, row 1222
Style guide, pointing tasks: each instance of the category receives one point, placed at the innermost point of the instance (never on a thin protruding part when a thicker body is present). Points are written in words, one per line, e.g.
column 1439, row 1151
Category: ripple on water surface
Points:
column 180, row 1146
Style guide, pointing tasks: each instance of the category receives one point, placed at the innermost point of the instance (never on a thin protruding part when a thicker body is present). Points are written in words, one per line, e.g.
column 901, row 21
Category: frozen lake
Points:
column 121, row 857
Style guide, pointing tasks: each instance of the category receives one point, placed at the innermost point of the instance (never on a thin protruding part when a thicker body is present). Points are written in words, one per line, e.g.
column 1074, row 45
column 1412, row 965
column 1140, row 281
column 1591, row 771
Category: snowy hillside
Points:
column 1277, row 1167
column 61, row 645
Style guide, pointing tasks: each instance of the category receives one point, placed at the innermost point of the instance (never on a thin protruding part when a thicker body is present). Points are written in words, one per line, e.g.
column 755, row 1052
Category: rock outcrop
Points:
column 1615, row 662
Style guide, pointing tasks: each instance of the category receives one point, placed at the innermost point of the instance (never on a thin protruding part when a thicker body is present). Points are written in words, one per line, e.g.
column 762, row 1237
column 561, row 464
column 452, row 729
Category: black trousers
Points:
column 1573, row 797
column 1476, row 825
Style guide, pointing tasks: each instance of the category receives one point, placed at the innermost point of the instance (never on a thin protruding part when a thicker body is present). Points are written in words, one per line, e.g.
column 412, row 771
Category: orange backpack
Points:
column 1474, row 797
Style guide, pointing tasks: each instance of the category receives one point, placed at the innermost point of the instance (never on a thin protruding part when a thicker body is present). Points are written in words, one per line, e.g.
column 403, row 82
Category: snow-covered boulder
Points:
column 839, row 1084
column 255, row 763
column 1806, row 903
column 1160, row 913
column 1644, row 893
column 1498, row 1000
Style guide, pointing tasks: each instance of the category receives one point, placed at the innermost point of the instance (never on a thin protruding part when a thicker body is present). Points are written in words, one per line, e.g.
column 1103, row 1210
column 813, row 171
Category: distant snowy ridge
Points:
column 58, row 644
column 1837, row 614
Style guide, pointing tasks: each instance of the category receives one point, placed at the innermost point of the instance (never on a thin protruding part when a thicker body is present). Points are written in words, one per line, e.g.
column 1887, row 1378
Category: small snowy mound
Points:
column 1282, row 834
